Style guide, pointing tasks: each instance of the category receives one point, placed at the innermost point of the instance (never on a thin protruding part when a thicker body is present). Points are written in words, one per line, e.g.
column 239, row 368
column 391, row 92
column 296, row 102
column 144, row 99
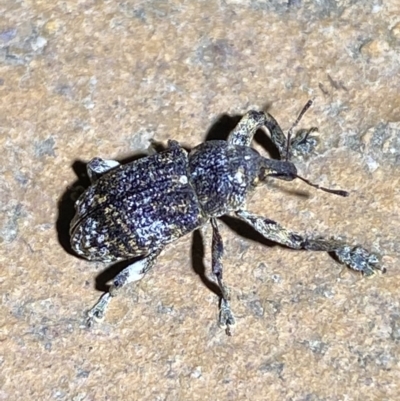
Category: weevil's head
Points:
column 286, row 170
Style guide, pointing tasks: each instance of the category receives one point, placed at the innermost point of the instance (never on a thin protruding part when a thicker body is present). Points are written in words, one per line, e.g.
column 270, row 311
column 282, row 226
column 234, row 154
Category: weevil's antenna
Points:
column 331, row 191
column 299, row 117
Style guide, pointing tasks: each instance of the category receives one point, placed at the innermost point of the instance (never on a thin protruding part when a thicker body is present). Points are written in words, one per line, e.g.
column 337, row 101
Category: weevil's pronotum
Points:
column 135, row 210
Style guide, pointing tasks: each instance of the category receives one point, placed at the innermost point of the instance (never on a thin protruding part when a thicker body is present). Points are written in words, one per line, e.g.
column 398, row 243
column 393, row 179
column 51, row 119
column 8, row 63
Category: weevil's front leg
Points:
column 244, row 132
column 226, row 318
column 97, row 167
column 303, row 143
column 131, row 273
column 354, row 257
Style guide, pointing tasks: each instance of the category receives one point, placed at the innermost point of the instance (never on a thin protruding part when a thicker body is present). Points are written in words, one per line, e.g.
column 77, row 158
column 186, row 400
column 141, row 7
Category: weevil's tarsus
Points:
column 303, row 144
column 97, row 313
column 226, row 319
column 359, row 259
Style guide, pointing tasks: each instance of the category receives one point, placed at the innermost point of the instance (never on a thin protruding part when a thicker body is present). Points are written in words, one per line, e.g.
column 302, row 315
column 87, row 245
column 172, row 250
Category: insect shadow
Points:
column 218, row 131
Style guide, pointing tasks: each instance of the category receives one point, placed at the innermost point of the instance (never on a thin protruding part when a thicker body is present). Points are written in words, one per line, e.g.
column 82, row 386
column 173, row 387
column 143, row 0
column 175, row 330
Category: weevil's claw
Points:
column 359, row 259
column 97, row 313
column 226, row 318
column 93, row 317
column 89, row 323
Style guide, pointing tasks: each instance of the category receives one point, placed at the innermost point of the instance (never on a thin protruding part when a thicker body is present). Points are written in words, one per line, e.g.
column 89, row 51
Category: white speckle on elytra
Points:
column 239, row 176
column 183, row 179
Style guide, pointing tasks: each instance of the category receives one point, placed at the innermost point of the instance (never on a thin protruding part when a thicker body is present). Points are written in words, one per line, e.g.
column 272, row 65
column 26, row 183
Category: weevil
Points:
column 134, row 210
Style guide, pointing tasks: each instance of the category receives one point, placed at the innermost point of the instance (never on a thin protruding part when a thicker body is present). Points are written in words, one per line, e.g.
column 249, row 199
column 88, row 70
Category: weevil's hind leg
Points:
column 354, row 257
column 226, row 318
column 131, row 273
column 97, row 167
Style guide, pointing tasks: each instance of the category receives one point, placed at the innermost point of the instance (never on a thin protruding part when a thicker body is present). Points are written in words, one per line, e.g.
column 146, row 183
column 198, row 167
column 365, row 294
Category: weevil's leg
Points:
column 155, row 146
column 151, row 149
column 97, row 167
column 173, row 144
column 354, row 257
column 243, row 133
column 303, row 142
column 131, row 273
column 226, row 318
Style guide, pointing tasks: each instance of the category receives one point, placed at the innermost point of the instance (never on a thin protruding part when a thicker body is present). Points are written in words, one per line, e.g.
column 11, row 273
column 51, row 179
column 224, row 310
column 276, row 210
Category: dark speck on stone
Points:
column 294, row 3
column 256, row 308
column 395, row 326
column 8, row 34
column 9, row 231
column 316, row 346
column 272, row 367
column 45, row 147
column 163, row 309
column 64, row 90
column 21, row 178
column 83, row 374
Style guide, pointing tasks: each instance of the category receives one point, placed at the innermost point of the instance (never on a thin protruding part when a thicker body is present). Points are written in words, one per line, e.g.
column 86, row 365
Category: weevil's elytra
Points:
column 135, row 210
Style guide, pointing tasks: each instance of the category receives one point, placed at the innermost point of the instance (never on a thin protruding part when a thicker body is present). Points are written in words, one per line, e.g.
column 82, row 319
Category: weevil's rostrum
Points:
column 132, row 211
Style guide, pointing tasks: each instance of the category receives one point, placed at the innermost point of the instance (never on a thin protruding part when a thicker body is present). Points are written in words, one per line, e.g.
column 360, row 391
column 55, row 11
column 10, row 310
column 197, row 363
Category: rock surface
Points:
column 103, row 78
